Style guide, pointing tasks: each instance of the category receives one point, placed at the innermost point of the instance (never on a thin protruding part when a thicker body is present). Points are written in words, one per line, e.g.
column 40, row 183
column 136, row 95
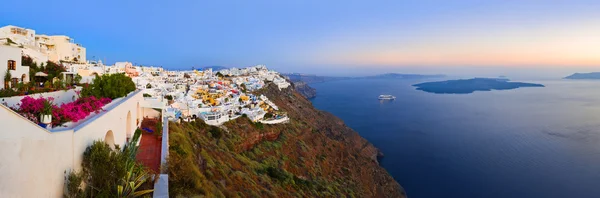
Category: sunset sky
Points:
column 326, row 37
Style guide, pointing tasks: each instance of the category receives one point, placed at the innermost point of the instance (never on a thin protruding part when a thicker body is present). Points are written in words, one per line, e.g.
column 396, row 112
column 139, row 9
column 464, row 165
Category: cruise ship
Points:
column 386, row 97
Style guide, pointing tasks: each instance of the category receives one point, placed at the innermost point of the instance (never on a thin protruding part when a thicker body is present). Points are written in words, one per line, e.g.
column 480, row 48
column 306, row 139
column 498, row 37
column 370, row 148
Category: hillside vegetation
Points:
column 315, row 155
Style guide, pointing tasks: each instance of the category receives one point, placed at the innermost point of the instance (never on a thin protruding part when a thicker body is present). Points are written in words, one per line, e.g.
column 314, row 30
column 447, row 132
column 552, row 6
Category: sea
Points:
column 527, row 142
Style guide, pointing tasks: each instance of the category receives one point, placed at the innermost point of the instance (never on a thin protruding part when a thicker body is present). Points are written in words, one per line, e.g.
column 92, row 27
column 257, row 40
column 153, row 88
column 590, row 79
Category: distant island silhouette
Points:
column 467, row 86
column 584, row 76
column 311, row 78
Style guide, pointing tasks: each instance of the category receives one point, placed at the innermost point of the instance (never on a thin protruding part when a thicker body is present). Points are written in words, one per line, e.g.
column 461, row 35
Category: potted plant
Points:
column 46, row 113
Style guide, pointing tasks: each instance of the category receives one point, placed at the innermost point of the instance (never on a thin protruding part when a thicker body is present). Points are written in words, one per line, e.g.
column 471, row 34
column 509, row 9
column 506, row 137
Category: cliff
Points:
column 303, row 89
column 314, row 155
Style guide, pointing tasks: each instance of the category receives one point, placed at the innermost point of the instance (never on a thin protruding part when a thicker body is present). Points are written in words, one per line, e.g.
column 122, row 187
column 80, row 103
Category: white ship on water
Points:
column 386, row 97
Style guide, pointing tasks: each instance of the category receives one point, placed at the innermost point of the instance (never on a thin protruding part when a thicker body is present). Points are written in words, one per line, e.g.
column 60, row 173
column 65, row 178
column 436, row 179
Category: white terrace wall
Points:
column 33, row 160
column 120, row 120
column 151, row 113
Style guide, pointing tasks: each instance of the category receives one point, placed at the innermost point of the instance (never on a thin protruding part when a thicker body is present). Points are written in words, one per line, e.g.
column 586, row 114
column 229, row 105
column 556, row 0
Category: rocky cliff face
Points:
column 303, row 89
column 315, row 155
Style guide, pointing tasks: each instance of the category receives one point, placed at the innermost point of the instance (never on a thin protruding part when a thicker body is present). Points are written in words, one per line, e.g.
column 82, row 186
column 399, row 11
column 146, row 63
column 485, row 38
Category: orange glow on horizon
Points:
column 570, row 45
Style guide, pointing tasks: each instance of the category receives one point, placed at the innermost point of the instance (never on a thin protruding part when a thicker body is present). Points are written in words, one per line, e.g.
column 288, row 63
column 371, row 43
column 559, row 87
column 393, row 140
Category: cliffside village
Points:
column 214, row 96
column 47, row 123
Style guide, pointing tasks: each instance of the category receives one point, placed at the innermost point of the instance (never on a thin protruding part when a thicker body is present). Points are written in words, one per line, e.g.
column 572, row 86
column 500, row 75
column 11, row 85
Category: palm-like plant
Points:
column 135, row 177
column 136, row 174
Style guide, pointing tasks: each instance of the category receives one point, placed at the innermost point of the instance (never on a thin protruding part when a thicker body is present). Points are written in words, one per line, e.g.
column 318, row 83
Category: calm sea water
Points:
column 527, row 142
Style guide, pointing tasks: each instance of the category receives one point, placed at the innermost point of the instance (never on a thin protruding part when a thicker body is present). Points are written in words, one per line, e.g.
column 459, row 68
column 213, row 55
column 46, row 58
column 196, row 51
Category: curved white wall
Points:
column 33, row 160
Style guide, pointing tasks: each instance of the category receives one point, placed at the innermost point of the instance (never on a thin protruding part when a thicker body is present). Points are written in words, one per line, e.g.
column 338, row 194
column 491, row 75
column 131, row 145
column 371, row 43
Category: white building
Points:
column 18, row 35
column 155, row 71
column 61, row 48
column 10, row 60
column 43, row 47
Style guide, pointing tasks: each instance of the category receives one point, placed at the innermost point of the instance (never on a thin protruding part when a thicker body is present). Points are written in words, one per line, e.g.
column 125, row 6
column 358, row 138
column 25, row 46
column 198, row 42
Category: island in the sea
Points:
column 466, row 86
column 584, row 76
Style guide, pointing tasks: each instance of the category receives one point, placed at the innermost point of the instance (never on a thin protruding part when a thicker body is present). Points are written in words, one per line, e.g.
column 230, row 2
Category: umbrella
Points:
column 41, row 74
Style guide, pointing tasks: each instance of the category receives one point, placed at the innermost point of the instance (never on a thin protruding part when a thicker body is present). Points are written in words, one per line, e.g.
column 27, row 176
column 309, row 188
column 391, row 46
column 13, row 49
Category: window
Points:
column 12, row 65
column 14, row 82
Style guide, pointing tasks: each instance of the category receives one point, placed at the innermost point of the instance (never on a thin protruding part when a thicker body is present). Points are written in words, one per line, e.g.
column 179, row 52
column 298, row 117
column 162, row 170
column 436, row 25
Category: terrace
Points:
column 67, row 102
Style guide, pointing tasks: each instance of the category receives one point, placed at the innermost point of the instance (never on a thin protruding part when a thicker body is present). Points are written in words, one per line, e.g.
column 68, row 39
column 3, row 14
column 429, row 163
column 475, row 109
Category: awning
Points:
column 41, row 74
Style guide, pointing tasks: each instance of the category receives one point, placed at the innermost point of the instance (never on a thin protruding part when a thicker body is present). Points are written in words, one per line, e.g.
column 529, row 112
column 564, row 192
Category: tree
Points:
column 53, row 69
column 109, row 86
column 28, row 61
column 7, row 78
column 77, row 79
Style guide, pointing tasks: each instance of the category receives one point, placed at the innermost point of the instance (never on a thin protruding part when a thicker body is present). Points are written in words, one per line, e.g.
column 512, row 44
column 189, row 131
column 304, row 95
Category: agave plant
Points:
column 136, row 176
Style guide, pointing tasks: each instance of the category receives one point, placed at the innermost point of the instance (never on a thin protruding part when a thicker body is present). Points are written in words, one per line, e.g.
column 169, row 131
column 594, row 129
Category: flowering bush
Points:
column 80, row 109
column 75, row 111
column 34, row 106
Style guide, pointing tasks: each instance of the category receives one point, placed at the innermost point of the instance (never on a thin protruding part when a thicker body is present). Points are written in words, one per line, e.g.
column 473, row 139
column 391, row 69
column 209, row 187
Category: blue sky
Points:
column 326, row 37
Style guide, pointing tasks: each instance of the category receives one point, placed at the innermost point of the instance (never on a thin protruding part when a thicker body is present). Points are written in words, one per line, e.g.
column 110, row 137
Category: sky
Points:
column 328, row 37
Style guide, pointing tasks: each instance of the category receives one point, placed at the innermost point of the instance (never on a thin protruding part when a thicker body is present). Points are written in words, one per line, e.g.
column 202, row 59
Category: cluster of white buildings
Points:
column 214, row 96
column 36, row 156
column 56, row 48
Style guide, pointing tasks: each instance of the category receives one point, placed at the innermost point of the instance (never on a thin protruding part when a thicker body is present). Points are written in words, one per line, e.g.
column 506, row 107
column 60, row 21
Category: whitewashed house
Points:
column 10, row 61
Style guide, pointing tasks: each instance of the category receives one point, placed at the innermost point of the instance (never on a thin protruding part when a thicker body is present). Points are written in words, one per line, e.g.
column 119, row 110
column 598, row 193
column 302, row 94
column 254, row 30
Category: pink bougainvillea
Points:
column 33, row 106
column 80, row 109
column 74, row 111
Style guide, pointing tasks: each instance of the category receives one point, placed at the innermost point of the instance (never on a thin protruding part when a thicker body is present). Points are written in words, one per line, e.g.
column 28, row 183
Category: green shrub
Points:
column 77, row 79
column 107, row 172
column 100, row 164
column 215, row 132
column 277, row 174
column 73, row 182
column 159, row 128
column 258, row 125
column 109, row 86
